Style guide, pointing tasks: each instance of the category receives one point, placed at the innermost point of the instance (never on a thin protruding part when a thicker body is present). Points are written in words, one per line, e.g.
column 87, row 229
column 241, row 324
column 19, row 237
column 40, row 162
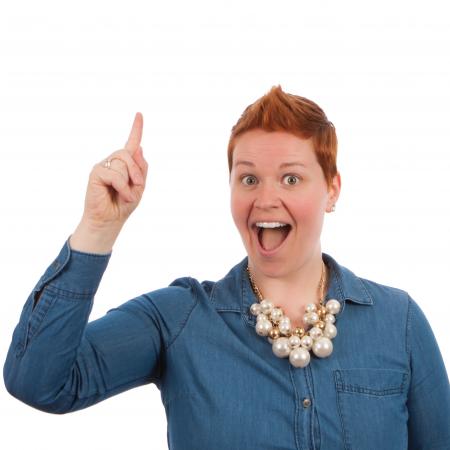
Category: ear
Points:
column 334, row 191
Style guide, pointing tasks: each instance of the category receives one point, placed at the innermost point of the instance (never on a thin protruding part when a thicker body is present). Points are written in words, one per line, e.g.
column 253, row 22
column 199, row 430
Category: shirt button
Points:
column 306, row 403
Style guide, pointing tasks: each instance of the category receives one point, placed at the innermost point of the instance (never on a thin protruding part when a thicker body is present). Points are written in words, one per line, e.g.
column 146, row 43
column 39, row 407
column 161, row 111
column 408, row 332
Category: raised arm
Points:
column 57, row 361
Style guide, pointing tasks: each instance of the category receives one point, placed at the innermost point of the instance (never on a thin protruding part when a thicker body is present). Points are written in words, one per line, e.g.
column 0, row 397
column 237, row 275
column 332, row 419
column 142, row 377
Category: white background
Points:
column 74, row 74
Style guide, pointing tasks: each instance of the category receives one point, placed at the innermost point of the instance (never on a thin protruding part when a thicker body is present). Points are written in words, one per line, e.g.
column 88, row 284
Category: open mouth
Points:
column 271, row 235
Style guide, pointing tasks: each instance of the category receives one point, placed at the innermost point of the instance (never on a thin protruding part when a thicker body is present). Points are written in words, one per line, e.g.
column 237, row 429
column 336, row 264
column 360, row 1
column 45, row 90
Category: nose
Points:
column 267, row 197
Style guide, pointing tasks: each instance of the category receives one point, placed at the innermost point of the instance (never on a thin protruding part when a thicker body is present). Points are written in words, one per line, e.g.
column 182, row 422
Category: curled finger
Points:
column 118, row 181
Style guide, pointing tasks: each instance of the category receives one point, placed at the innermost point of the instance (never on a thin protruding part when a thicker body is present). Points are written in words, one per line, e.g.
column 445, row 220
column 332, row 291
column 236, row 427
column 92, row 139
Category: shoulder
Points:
column 173, row 307
column 399, row 304
column 186, row 292
column 361, row 290
column 390, row 304
column 382, row 292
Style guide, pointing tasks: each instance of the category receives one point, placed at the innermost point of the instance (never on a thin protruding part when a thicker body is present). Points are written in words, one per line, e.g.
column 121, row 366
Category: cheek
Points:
column 239, row 209
column 308, row 211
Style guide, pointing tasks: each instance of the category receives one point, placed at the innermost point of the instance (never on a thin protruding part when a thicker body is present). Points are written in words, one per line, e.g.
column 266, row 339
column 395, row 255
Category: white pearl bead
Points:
column 266, row 306
column 329, row 318
column 255, row 309
column 299, row 357
column 333, row 306
column 322, row 347
column 281, row 347
column 263, row 327
column 330, row 331
column 315, row 333
column 311, row 318
column 284, row 327
column 311, row 307
column 276, row 314
column 261, row 316
column 294, row 341
column 306, row 342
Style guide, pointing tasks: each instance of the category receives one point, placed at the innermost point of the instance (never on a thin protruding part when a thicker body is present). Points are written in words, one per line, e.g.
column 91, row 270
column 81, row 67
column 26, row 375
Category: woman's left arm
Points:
column 429, row 393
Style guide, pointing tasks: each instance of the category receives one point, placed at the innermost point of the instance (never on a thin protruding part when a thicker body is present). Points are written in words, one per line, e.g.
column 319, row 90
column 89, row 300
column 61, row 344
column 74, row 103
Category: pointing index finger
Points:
column 134, row 139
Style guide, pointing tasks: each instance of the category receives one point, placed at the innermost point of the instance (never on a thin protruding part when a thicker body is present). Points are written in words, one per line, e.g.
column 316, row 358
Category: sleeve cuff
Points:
column 75, row 271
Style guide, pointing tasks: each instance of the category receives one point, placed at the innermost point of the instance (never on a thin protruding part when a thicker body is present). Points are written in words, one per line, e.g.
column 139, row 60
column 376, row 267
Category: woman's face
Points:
column 275, row 179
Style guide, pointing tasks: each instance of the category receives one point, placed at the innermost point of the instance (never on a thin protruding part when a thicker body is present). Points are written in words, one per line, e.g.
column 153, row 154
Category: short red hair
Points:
column 280, row 111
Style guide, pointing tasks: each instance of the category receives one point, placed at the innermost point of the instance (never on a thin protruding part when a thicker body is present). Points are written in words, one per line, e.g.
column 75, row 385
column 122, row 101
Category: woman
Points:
column 332, row 361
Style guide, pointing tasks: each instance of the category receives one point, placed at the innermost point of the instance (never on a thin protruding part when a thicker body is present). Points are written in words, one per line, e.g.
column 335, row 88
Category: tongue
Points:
column 271, row 238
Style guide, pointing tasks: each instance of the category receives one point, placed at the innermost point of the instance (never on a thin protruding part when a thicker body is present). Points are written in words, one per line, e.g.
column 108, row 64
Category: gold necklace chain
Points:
column 320, row 287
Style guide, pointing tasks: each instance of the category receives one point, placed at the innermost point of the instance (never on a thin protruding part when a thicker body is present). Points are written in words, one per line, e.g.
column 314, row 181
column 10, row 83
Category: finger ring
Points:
column 107, row 162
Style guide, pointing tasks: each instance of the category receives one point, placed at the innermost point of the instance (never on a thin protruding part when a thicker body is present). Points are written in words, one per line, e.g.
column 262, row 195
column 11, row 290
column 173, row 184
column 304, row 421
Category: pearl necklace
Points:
column 297, row 342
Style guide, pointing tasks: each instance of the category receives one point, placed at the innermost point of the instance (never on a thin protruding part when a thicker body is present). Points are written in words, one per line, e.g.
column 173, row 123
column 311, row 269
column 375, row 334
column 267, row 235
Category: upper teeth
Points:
column 270, row 224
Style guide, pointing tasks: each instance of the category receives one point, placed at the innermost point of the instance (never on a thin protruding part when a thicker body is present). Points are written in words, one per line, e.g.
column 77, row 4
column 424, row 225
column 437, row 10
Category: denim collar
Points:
column 343, row 286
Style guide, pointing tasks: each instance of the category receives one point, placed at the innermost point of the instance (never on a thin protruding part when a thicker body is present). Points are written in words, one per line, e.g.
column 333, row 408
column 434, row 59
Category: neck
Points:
column 294, row 290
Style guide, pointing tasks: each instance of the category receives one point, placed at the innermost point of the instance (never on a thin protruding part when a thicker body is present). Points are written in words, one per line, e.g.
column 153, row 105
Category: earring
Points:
column 333, row 208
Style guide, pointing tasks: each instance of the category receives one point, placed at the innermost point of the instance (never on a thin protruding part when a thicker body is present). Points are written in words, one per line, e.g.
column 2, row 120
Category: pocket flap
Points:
column 370, row 381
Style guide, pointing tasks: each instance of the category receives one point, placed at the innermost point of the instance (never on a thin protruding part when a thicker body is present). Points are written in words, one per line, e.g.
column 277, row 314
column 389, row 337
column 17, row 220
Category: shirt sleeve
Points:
column 58, row 362
column 429, row 392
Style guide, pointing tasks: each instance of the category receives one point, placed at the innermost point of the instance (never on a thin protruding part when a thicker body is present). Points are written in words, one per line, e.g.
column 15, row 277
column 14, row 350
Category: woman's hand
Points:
column 114, row 193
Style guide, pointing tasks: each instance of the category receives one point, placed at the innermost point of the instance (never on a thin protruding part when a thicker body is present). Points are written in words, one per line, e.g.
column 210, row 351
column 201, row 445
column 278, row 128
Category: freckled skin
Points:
column 302, row 204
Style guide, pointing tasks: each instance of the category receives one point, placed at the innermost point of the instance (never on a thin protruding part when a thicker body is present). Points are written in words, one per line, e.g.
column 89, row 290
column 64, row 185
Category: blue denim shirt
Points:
column 385, row 385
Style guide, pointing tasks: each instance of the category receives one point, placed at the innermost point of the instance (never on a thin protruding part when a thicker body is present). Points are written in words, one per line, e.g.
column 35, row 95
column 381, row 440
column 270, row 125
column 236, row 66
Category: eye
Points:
column 291, row 180
column 248, row 180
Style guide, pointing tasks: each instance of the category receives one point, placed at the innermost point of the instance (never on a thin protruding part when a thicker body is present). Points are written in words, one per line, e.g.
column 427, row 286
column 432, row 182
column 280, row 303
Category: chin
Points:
column 272, row 268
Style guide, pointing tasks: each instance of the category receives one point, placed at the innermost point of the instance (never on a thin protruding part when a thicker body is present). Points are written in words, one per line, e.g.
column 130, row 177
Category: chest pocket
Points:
column 372, row 408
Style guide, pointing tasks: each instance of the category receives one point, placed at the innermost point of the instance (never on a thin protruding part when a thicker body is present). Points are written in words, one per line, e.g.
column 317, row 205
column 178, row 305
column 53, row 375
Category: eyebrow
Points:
column 283, row 165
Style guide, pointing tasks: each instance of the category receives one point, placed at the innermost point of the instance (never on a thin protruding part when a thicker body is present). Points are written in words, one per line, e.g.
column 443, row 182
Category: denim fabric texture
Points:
column 385, row 386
